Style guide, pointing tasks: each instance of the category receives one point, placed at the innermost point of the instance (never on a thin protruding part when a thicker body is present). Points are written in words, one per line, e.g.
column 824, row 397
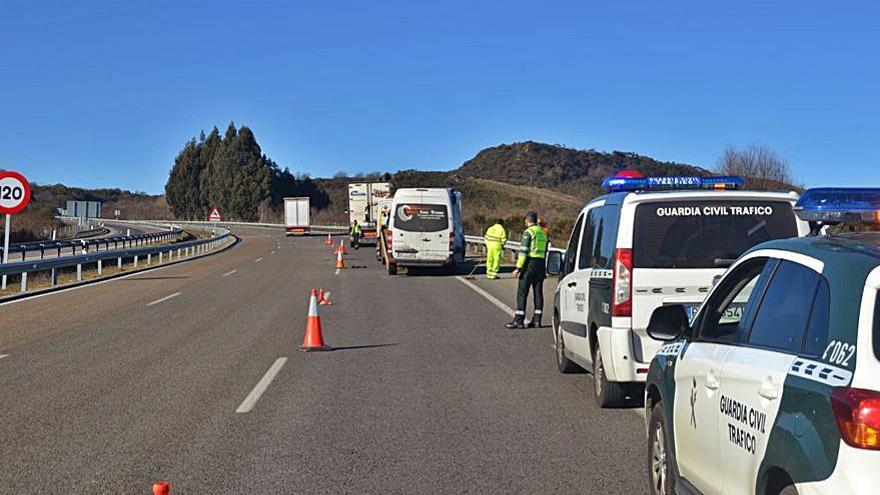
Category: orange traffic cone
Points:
column 161, row 488
column 342, row 247
column 329, row 240
column 324, row 298
column 313, row 341
column 339, row 263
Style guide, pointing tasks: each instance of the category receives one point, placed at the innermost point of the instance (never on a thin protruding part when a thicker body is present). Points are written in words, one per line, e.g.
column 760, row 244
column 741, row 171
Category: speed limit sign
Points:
column 15, row 192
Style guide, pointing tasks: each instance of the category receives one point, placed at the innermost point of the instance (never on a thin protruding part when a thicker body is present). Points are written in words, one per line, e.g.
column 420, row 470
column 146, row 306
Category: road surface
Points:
column 191, row 374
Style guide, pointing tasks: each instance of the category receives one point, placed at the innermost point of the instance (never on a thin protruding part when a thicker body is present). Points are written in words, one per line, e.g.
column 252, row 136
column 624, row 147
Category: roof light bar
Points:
column 840, row 205
column 621, row 184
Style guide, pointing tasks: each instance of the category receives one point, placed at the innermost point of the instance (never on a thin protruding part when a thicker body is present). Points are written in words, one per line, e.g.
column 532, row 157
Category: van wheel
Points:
column 564, row 364
column 392, row 268
column 661, row 460
column 608, row 394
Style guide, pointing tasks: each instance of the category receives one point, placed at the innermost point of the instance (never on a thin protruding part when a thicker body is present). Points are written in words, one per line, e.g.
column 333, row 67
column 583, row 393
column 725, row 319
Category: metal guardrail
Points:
column 511, row 246
column 323, row 228
column 85, row 245
column 180, row 250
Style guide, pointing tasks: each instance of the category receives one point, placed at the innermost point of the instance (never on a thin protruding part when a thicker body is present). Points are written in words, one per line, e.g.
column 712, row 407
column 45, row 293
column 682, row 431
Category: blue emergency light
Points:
column 623, row 184
column 839, row 205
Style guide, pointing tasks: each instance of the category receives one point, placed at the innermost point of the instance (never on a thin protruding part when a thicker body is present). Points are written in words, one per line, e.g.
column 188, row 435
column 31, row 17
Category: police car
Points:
column 774, row 386
column 650, row 241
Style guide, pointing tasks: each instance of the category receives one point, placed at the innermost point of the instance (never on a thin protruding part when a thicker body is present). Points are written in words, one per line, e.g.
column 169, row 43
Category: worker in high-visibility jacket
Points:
column 496, row 238
column 355, row 235
column 531, row 273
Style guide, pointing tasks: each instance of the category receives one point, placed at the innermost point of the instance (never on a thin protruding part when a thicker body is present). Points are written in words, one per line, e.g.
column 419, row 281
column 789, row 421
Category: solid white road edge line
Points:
column 492, row 299
column 230, row 272
column 251, row 400
column 4, row 356
column 258, row 259
column 157, row 301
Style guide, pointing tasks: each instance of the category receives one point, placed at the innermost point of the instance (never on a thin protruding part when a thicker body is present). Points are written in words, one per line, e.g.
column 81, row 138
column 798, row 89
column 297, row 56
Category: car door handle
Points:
column 572, row 284
column 768, row 390
column 712, row 382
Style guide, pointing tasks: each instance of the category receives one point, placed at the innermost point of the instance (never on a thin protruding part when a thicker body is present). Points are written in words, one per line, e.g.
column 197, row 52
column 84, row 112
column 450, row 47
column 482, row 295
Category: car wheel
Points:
column 564, row 364
column 789, row 490
column 392, row 268
column 661, row 461
column 608, row 394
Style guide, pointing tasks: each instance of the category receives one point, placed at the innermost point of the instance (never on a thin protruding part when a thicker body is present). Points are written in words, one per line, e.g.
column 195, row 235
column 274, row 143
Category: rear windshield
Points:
column 706, row 234
column 416, row 217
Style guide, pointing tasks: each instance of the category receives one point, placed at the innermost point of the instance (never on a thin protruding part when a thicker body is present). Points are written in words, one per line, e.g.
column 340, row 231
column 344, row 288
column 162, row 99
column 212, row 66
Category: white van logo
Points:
column 406, row 212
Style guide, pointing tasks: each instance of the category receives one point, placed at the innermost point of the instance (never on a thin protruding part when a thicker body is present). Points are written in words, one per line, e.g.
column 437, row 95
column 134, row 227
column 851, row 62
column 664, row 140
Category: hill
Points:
column 571, row 171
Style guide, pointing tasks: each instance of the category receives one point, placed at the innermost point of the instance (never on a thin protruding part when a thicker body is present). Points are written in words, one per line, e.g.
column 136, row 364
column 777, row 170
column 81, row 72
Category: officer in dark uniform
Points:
column 530, row 271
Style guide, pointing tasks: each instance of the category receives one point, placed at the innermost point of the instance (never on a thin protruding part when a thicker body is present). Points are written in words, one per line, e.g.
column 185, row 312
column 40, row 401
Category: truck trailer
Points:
column 363, row 207
column 296, row 216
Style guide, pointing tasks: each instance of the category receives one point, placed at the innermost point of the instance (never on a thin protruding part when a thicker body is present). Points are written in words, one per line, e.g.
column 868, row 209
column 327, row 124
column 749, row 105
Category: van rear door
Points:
column 421, row 232
column 680, row 247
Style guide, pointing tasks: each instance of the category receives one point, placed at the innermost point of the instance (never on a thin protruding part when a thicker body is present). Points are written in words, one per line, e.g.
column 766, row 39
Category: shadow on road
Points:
column 368, row 346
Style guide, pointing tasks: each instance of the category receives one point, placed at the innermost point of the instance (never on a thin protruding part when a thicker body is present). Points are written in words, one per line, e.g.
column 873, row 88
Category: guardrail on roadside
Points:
column 84, row 245
column 183, row 250
column 511, row 246
column 323, row 228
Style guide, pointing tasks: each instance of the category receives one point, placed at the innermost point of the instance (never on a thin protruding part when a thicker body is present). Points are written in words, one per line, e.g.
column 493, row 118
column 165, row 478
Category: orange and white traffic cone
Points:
column 313, row 340
column 324, row 298
column 342, row 247
column 339, row 263
column 161, row 488
column 329, row 240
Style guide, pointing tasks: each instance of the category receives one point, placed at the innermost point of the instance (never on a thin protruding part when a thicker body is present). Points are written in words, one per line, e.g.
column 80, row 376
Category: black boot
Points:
column 535, row 323
column 516, row 323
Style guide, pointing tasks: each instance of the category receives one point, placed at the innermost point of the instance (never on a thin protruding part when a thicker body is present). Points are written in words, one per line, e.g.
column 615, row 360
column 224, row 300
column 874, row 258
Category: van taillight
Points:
column 857, row 412
column 452, row 241
column 388, row 240
column 622, row 289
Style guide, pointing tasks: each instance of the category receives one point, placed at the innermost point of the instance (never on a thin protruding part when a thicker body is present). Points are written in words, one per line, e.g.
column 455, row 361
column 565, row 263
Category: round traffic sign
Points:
column 15, row 192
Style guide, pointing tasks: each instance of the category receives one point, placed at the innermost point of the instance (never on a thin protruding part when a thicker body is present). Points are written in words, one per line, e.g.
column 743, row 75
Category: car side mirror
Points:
column 554, row 262
column 668, row 323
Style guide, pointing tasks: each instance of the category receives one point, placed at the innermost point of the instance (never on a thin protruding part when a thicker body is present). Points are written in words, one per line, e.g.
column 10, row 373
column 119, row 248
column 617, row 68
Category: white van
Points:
column 426, row 228
column 651, row 242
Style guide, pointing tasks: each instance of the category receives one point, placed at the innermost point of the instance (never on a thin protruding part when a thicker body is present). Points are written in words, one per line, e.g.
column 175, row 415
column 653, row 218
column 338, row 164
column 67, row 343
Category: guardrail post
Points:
column 160, row 257
column 135, row 261
column 79, row 272
column 178, row 252
column 53, row 278
column 100, row 268
column 23, row 281
column 149, row 259
column 170, row 255
column 119, row 263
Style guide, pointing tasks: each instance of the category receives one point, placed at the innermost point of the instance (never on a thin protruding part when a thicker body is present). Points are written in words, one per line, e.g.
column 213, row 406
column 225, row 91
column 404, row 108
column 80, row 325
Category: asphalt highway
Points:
column 191, row 374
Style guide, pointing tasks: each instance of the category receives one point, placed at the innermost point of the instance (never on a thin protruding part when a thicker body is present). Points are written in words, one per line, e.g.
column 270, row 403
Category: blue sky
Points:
column 105, row 94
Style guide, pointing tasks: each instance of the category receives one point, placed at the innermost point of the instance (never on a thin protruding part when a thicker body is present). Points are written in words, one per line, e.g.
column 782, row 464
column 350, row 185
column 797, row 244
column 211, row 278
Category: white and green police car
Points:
column 773, row 387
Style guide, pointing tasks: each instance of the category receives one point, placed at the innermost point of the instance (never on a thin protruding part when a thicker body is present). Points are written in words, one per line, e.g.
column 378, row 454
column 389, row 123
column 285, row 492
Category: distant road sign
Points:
column 215, row 215
column 15, row 192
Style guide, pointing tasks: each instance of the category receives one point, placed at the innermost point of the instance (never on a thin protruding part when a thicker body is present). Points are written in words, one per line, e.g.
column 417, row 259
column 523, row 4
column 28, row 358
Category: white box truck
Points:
column 296, row 216
column 363, row 206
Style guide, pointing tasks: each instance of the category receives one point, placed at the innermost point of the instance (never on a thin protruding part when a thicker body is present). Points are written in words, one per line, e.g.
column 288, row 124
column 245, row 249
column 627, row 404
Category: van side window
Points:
column 781, row 320
column 816, row 339
column 606, row 237
column 732, row 305
column 572, row 250
column 587, row 239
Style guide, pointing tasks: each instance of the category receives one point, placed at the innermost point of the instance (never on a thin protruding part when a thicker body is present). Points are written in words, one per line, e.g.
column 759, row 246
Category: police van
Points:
column 774, row 387
column 649, row 242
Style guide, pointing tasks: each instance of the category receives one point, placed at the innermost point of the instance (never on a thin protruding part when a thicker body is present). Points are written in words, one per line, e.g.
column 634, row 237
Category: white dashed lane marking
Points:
column 251, row 400
column 157, row 301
